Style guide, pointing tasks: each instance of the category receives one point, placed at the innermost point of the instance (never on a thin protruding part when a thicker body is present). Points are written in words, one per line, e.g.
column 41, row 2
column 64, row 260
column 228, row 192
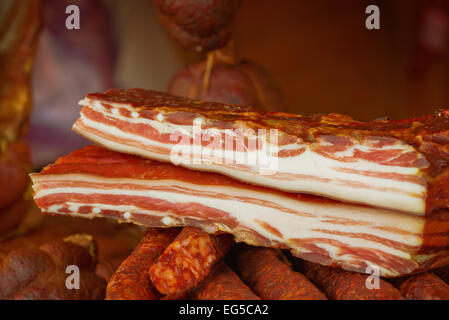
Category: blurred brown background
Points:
column 327, row 61
column 319, row 52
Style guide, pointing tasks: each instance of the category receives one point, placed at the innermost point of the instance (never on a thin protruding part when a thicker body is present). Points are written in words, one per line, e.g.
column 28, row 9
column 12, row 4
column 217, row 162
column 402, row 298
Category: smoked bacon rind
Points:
column 96, row 182
column 400, row 164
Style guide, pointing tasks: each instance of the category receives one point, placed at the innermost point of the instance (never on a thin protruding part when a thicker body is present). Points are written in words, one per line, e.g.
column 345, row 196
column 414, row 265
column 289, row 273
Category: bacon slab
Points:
column 400, row 165
column 96, row 182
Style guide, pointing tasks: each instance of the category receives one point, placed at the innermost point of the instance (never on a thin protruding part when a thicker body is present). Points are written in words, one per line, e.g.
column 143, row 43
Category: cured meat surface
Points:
column 243, row 82
column 96, row 182
column 40, row 273
column 188, row 260
column 400, row 165
column 200, row 25
column 131, row 281
column 223, row 284
column 424, row 286
column 338, row 284
column 14, row 168
column 272, row 279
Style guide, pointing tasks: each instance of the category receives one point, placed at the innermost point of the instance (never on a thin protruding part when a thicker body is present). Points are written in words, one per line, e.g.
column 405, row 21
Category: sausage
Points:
column 131, row 280
column 339, row 284
column 14, row 167
column 180, row 296
column 222, row 284
column 39, row 273
column 244, row 82
column 272, row 279
column 425, row 286
column 11, row 217
column 199, row 25
column 188, row 260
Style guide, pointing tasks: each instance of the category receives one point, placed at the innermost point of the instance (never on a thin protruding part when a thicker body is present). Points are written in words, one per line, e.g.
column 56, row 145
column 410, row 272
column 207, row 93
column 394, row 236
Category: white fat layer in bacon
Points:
column 405, row 196
column 249, row 206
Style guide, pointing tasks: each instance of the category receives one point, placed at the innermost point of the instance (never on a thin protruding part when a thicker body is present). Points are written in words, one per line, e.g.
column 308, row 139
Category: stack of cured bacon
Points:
column 360, row 196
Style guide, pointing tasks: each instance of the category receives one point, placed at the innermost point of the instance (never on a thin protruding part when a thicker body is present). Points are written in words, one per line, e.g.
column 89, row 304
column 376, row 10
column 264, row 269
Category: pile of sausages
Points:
column 188, row 263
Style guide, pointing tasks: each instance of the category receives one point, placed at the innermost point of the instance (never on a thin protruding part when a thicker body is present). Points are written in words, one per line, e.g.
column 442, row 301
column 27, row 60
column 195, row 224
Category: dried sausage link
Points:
column 223, row 284
column 272, row 279
column 132, row 281
column 425, row 286
column 339, row 284
column 188, row 260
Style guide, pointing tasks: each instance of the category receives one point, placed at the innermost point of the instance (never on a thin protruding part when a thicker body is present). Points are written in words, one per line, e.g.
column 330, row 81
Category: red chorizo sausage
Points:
column 339, row 284
column 131, row 281
column 272, row 279
column 176, row 296
column 222, row 284
column 188, row 260
column 425, row 286
column 39, row 273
